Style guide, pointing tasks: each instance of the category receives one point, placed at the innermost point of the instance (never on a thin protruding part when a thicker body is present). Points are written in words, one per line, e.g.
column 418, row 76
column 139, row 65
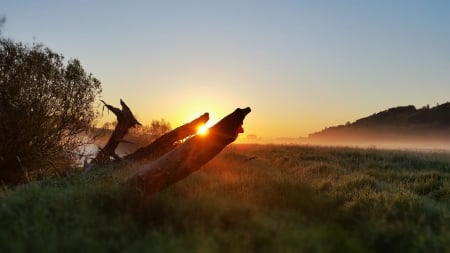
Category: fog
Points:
column 423, row 144
column 413, row 144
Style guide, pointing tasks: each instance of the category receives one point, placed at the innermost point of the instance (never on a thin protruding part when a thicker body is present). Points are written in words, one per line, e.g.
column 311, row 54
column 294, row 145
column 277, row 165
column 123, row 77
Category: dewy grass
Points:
column 250, row 198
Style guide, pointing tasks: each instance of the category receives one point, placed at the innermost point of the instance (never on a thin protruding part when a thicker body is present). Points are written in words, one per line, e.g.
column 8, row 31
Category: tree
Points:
column 45, row 107
column 148, row 133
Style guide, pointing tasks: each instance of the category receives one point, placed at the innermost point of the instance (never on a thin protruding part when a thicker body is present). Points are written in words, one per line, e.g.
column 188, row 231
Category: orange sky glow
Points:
column 300, row 65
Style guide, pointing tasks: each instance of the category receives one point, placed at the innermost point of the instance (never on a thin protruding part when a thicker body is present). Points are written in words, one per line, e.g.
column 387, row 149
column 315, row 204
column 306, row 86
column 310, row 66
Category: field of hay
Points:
column 250, row 198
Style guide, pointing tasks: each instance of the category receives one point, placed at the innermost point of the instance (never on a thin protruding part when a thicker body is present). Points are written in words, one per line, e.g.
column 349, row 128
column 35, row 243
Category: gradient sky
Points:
column 300, row 65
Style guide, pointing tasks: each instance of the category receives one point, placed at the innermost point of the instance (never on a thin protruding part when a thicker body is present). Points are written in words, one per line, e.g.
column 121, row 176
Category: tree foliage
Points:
column 152, row 131
column 45, row 106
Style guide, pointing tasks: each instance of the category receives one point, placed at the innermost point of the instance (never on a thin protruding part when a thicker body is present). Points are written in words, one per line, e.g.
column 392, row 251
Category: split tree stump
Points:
column 173, row 162
column 188, row 157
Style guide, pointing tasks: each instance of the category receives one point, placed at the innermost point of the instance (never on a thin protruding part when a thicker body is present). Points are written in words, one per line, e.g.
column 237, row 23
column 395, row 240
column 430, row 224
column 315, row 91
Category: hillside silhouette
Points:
column 403, row 123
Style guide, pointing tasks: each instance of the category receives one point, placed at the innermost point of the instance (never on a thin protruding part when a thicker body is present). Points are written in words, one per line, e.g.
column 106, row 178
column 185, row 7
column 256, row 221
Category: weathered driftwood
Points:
column 166, row 142
column 189, row 156
column 125, row 120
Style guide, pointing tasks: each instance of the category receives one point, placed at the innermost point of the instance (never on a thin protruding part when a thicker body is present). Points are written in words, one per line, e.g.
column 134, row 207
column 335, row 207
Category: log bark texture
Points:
column 151, row 178
column 166, row 142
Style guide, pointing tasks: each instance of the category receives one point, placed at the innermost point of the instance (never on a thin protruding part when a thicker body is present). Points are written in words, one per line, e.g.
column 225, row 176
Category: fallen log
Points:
column 151, row 178
column 166, row 142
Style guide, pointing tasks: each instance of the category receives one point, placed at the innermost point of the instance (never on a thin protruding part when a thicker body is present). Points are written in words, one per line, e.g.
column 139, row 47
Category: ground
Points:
column 250, row 198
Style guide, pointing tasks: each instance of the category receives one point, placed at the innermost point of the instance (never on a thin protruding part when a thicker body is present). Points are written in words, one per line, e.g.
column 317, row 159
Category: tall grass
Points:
column 248, row 199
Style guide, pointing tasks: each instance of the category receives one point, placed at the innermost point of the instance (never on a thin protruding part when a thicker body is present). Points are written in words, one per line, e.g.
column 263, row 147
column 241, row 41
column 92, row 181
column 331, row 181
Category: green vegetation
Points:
column 248, row 199
column 46, row 109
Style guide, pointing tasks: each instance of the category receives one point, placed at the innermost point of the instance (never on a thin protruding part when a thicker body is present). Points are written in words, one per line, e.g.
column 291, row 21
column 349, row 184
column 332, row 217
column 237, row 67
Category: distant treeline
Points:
column 399, row 123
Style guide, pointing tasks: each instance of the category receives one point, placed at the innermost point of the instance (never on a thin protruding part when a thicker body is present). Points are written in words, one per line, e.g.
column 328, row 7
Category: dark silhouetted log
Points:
column 125, row 120
column 166, row 142
column 189, row 156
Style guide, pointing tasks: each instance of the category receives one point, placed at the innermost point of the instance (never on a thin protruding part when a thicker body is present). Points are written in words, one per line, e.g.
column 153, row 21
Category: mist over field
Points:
column 402, row 127
column 401, row 144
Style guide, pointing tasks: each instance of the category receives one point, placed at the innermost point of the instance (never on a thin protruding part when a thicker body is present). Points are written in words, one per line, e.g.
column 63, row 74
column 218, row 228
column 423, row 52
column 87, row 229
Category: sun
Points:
column 202, row 130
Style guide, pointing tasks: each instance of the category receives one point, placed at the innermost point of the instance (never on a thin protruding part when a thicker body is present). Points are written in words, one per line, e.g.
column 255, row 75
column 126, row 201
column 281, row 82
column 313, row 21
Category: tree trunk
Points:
column 189, row 156
column 166, row 142
column 11, row 171
column 125, row 120
column 174, row 162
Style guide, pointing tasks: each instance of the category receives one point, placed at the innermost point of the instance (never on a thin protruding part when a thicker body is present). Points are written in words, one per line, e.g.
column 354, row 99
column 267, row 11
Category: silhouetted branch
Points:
column 125, row 120
column 166, row 142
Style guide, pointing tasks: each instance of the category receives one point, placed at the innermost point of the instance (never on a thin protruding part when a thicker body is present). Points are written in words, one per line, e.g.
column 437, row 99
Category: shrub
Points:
column 45, row 106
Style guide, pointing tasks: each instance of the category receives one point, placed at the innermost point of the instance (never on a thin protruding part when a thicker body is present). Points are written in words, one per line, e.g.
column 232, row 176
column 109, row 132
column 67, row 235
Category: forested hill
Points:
column 399, row 123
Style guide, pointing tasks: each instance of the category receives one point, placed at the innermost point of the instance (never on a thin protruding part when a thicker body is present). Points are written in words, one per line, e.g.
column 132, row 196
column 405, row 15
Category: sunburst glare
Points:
column 202, row 130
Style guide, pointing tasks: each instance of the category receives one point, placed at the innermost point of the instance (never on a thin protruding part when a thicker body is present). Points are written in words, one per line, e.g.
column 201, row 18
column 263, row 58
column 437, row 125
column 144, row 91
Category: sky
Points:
column 300, row 65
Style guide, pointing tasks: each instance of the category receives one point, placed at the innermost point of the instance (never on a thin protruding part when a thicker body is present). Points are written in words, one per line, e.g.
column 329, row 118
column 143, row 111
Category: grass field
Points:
column 251, row 198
